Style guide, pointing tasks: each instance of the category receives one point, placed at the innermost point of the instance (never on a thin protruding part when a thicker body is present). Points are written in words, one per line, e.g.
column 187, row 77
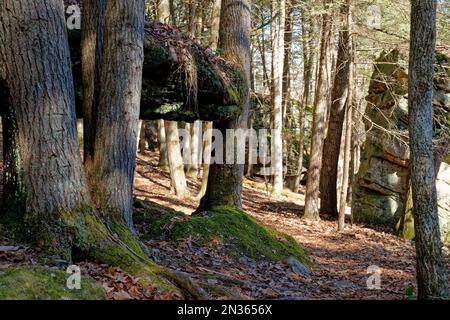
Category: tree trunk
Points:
column 118, row 110
column 277, row 32
column 40, row 93
column 431, row 271
column 332, row 143
column 163, row 11
column 225, row 180
column 319, row 123
column 346, row 165
column 196, row 147
column 215, row 25
column 58, row 213
column 207, row 148
column 308, row 61
column 163, row 162
column 176, row 165
column 91, row 61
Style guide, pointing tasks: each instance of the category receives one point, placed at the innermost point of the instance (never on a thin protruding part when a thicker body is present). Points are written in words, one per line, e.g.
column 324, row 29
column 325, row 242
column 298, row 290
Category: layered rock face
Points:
column 382, row 182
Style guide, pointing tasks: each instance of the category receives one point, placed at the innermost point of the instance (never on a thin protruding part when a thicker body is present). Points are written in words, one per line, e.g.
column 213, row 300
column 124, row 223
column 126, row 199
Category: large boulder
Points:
column 382, row 182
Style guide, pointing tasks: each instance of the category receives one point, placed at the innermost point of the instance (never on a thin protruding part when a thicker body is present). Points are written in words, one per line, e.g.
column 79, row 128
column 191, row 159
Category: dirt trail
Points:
column 343, row 263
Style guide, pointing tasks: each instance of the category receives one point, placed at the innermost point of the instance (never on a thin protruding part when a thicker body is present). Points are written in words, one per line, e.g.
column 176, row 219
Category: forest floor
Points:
column 340, row 261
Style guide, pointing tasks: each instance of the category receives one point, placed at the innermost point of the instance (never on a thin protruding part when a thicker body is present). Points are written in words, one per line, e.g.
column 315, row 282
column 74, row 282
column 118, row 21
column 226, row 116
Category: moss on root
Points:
column 40, row 283
column 222, row 225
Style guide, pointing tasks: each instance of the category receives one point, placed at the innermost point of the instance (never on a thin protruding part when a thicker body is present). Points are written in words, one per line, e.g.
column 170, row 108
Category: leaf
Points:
column 122, row 295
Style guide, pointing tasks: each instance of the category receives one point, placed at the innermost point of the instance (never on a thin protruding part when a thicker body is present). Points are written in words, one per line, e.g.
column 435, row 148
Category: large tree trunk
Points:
column 277, row 33
column 118, row 110
column 225, row 180
column 332, row 143
column 319, row 123
column 431, row 271
column 39, row 89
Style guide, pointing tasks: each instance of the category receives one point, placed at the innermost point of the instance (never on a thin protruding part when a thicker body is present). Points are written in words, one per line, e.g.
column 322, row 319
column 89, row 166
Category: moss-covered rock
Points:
column 41, row 283
column 226, row 226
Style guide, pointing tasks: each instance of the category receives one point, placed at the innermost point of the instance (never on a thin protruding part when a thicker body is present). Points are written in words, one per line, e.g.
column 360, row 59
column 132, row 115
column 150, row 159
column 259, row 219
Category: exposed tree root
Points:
column 113, row 243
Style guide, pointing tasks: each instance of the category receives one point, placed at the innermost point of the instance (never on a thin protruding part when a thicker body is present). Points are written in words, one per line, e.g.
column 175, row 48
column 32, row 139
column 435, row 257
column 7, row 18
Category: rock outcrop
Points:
column 382, row 182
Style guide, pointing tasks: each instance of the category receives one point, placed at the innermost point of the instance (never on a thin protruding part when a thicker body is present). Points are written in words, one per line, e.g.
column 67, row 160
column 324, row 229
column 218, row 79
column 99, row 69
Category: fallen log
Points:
column 182, row 80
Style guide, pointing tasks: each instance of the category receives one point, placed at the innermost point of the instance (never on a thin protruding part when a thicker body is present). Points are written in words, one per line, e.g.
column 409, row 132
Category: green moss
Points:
column 40, row 283
column 228, row 226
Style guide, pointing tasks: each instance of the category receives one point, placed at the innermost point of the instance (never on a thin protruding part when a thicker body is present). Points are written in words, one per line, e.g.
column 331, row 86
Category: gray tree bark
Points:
column 91, row 61
column 332, row 143
column 118, row 110
column 432, row 276
column 319, row 124
column 39, row 88
column 225, row 180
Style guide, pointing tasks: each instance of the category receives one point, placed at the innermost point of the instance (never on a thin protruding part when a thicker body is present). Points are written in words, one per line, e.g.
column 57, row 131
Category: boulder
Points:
column 382, row 181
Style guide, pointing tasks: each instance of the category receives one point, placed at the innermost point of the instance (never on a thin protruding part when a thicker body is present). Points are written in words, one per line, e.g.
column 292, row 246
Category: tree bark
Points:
column 91, row 61
column 431, row 271
column 163, row 162
column 319, row 123
column 215, row 25
column 308, row 61
column 277, row 33
column 225, row 180
column 118, row 110
column 39, row 88
column 332, row 143
column 176, row 165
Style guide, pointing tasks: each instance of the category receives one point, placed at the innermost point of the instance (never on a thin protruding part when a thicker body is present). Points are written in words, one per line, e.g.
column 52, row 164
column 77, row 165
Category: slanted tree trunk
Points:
column 319, row 123
column 332, row 143
column 431, row 271
column 225, row 180
column 117, row 118
column 277, row 33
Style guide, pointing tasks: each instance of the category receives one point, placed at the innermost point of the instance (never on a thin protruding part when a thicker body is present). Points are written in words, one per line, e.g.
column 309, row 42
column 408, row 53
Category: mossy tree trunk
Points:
column 116, row 120
column 41, row 96
column 225, row 180
column 431, row 271
column 59, row 215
